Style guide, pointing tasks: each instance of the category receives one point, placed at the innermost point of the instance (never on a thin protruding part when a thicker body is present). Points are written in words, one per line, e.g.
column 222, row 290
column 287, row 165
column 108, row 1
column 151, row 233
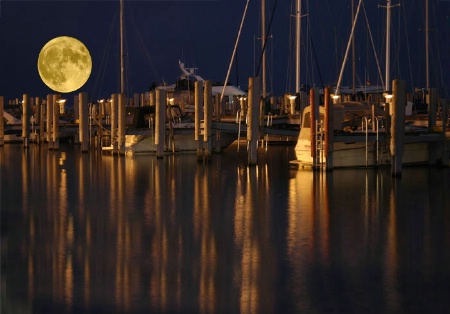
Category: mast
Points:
column 388, row 45
column 353, row 53
column 297, row 46
column 263, row 36
column 122, row 66
column 427, row 69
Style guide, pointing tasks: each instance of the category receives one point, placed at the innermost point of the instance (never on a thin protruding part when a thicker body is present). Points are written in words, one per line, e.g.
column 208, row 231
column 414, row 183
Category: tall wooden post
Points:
column 217, row 117
column 113, row 122
column 313, row 123
column 253, row 119
column 55, row 133
column 25, row 120
column 329, row 130
column 160, row 123
column 49, row 117
column 40, row 109
column 2, row 126
column 207, row 118
column 121, row 123
column 83, row 124
column 198, row 108
column 397, row 126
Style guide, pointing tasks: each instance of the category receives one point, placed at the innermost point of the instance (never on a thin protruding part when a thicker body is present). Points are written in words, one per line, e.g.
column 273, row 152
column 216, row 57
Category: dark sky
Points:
column 202, row 34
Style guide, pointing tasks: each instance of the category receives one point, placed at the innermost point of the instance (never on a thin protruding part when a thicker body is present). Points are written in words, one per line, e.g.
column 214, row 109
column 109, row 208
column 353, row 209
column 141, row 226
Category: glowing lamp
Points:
column 61, row 103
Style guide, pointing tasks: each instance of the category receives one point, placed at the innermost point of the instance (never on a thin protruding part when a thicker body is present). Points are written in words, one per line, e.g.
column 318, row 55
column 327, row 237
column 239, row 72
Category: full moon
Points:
column 64, row 64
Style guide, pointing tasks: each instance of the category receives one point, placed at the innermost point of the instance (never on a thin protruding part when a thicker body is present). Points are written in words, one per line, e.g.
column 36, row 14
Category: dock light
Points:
column 61, row 103
column 292, row 102
column 387, row 95
column 242, row 100
column 171, row 100
column 335, row 96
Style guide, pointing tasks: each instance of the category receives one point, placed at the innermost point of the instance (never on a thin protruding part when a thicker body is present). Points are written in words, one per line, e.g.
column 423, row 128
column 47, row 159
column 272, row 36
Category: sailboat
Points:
column 140, row 137
column 361, row 130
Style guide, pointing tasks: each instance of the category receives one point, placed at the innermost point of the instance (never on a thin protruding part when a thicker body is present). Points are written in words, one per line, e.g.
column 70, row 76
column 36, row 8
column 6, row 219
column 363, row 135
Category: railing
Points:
column 319, row 143
column 365, row 129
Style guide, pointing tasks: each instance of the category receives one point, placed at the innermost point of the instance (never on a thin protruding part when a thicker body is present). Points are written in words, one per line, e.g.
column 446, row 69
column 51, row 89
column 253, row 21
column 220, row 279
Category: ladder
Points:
column 319, row 139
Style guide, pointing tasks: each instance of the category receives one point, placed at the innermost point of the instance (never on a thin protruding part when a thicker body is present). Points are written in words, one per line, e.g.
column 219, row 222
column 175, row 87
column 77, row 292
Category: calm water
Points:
column 88, row 233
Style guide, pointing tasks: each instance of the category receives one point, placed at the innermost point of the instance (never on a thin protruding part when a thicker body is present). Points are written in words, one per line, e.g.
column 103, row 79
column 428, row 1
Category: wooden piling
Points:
column 25, row 120
column 55, row 133
column 76, row 108
column 313, row 124
column 121, row 123
column 160, row 122
column 39, row 119
column 113, row 123
column 207, row 118
column 432, row 118
column 83, row 124
column 432, row 109
column 217, row 117
column 198, row 108
column 2, row 122
column 445, row 149
column 253, row 119
column 398, row 106
column 49, row 120
column 329, row 130
column 152, row 98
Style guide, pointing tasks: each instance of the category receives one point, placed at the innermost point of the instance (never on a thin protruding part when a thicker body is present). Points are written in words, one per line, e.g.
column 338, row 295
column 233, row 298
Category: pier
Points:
column 109, row 124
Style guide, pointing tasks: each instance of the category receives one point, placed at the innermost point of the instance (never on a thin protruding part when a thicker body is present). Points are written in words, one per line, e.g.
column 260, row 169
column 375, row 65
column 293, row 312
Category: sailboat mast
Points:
column 263, row 40
column 122, row 65
column 388, row 44
column 427, row 69
column 297, row 46
column 353, row 53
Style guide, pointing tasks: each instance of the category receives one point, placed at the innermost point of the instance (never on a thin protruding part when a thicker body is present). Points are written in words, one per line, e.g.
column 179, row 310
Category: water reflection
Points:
column 92, row 233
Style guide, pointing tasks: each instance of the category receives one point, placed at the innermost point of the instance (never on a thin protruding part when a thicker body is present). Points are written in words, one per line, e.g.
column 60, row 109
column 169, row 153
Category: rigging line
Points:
column 289, row 61
column 373, row 46
column 267, row 36
column 141, row 41
column 315, row 58
column 102, row 66
column 234, row 51
column 438, row 61
column 348, row 48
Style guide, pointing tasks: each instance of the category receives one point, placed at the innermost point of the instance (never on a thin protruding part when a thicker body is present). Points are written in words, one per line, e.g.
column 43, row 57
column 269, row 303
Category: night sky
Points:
column 203, row 33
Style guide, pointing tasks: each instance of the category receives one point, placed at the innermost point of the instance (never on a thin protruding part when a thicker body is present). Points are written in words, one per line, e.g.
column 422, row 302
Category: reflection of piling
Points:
column 55, row 132
column 253, row 119
column 113, row 122
column 2, row 122
column 207, row 118
column 397, row 125
column 198, row 108
column 25, row 120
column 329, row 130
column 83, row 124
column 49, row 119
column 121, row 123
column 160, row 123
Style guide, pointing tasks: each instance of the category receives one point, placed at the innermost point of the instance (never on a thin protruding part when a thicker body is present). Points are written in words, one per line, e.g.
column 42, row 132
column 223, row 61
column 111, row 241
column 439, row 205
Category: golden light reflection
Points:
column 68, row 281
column 204, row 234
column 159, row 246
column 391, row 255
column 308, row 235
column 252, row 228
